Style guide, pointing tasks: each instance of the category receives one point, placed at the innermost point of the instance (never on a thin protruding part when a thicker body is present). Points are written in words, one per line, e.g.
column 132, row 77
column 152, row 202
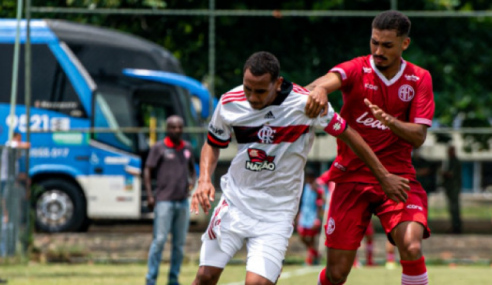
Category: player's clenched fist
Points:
column 204, row 193
column 316, row 103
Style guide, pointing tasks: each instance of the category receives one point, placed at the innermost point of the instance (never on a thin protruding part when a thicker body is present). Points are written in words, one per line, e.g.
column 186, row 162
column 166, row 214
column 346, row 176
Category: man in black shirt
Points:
column 174, row 165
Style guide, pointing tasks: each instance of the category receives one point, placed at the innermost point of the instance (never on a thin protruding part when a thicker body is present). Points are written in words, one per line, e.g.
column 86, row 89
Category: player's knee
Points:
column 411, row 251
column 205, row 276
column 337, row 275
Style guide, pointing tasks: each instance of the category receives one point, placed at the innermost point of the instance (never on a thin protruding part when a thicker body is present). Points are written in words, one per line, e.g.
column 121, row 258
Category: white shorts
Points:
column 228, row 230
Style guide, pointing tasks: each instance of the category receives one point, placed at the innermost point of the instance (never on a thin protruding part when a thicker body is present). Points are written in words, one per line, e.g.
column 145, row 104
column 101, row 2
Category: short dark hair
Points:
column 263, row 62
column 392, row 20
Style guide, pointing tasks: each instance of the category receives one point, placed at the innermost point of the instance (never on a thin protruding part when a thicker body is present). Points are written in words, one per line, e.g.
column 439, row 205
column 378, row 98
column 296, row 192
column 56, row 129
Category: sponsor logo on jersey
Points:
column 269, row 115
column 215, row 130
column 406, row 93
column 265, row 134
column 370, row 86
column 370, row 122
column 259, row 160
column 339, row 166
column 412, row 206
column 412, row 77
column 331, row 226
column 367, row 69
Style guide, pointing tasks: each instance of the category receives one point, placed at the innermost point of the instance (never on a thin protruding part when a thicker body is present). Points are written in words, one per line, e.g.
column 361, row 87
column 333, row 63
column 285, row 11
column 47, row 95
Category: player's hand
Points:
column 205, row 192
column 317, row 103
column 382, row 116
column 395, row 187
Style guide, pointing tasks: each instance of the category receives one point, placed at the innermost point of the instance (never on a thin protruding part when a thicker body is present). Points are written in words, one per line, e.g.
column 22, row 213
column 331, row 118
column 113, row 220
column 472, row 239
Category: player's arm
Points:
column 394, row 186
column 320, row 88
column 413, row 133
column 205, row 191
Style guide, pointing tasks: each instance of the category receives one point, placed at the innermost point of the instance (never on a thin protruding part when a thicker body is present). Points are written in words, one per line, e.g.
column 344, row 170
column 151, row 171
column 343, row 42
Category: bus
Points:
column 89, row 78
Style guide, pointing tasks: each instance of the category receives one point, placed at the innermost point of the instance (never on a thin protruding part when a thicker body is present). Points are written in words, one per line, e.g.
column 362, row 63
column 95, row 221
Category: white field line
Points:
column 287, row 275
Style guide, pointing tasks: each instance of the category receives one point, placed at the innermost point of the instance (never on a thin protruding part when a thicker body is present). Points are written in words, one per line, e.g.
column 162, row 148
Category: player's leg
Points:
column 369, row 235
column 390, row 256
column 348, row 217
column 266, row 252
column 406, row 226
column 408, row 238
column 219, row 244
column 212, row 262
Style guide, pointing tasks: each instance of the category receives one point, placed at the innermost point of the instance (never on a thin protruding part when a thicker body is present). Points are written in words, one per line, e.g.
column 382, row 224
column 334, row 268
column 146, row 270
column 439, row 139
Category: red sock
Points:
column 390, row 257
column 322, row 280
column 414, row 272
column 369, row 251
column 313, row 252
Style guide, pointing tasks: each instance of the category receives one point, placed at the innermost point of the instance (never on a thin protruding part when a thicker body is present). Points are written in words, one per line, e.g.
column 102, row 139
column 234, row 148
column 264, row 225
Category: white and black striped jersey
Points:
column 266, row 176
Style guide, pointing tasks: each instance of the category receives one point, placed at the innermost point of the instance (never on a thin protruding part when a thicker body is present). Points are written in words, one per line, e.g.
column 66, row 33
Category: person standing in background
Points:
column 310, row 216
column 174, row 166
column 451, row 174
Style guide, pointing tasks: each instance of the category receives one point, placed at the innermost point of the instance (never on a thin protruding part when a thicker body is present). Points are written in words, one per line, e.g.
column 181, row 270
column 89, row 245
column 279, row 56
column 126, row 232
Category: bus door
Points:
column 114, row 166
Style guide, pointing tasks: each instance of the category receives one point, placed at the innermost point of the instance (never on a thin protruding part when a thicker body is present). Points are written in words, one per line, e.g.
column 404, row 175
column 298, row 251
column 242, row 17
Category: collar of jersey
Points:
column 285, row 90
column 170, row 144
column 383, row 78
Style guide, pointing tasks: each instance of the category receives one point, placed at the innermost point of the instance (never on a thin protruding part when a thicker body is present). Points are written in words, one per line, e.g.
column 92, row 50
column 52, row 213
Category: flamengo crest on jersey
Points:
column 265, row 177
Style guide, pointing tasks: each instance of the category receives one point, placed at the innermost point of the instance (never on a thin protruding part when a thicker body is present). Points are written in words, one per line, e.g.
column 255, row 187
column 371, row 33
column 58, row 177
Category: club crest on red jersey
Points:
column 259, row 160
column 406, row 93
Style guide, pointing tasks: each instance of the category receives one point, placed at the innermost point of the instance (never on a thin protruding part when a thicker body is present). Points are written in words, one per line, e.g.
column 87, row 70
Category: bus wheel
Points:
column 59, row 207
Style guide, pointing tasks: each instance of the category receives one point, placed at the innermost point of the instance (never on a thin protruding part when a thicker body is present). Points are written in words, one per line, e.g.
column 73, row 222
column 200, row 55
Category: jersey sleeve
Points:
column 331, row 123
column 348, row 71
column 422, row 108
column 219, row 131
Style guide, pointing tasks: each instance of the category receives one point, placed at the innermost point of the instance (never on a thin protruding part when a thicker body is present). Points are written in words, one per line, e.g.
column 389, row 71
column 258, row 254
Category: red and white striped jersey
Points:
column 266, row 176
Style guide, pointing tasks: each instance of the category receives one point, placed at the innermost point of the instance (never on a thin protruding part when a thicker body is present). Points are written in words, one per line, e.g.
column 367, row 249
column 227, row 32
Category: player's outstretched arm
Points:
column 394, row 186
column 205, row 191
column 318, row 97
column 413, row 133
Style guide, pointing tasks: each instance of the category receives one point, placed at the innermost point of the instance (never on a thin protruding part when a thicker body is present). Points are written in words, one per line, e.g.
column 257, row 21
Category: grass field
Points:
column 292, row 275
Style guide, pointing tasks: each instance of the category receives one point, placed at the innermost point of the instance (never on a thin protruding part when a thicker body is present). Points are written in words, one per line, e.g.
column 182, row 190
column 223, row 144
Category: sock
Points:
column 322, row 279
column 313, row 252
column 369, row 251
column 414, row 272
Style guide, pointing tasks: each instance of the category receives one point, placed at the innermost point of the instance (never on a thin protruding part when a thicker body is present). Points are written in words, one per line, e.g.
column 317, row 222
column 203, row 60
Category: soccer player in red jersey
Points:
column 389, row 101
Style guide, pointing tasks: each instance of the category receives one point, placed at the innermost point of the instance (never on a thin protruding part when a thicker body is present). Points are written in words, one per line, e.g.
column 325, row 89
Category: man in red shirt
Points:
column 389, row 101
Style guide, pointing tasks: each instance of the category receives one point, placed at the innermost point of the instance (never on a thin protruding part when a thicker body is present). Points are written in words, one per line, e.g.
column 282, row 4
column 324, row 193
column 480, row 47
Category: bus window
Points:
column 51, row 89
column 113, row 110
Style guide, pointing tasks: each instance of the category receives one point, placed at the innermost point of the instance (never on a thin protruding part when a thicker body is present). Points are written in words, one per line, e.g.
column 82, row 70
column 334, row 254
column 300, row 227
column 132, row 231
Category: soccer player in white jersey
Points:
column 262, row 188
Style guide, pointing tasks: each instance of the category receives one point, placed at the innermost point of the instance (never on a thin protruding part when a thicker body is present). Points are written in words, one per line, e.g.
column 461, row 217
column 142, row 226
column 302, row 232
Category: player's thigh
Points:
column 267, row 248
column 392, row 214
column 268, row 274
column 349, row 215
column 212, row 255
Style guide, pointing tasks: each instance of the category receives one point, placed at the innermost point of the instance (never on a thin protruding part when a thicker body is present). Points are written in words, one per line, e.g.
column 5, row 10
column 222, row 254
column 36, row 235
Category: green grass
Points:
column 98, row 274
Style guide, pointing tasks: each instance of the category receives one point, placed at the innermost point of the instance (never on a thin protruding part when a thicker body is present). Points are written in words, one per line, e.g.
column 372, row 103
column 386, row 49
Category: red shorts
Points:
column 352, row 205
column 308, row 232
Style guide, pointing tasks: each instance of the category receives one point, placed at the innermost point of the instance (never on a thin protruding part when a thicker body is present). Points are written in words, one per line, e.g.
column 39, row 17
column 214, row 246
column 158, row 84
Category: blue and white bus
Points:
column 84, row 77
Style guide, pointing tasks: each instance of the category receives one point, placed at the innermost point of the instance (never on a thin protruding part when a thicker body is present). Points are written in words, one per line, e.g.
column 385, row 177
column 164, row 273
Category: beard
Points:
column 382, row 67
